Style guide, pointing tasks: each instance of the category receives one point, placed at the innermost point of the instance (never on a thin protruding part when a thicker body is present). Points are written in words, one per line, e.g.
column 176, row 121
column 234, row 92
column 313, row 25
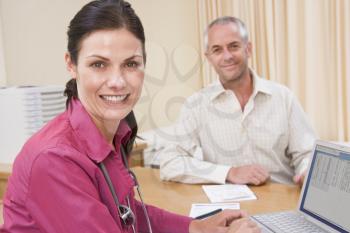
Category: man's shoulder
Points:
column 197, row 99
column 275, row 88
column 205, row 94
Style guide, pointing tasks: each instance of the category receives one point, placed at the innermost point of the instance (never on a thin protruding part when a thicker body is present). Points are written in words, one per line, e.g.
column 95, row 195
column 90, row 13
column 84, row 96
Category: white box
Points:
column 24, row 110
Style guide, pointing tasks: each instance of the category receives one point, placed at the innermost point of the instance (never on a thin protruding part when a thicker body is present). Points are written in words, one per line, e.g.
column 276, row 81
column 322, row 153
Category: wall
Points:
column 2, row 58
column 34, row 41
column 173, row 66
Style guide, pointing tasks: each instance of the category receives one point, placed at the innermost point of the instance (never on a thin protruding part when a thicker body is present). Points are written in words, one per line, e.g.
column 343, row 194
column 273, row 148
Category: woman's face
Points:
column 109, row 74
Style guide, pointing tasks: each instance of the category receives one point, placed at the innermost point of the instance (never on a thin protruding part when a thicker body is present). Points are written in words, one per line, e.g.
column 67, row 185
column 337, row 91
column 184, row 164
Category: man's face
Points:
column 227, row 52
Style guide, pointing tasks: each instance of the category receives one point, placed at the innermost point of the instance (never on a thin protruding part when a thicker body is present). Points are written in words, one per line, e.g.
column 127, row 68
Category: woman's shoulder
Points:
column 54, row 148
column 56, row 138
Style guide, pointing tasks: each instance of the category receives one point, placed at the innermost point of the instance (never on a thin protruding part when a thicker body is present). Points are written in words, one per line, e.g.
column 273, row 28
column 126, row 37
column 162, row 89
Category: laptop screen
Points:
column 326, row 194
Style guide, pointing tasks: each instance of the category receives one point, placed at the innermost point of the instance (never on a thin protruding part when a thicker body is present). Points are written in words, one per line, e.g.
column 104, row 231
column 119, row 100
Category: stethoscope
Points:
column 126, row 215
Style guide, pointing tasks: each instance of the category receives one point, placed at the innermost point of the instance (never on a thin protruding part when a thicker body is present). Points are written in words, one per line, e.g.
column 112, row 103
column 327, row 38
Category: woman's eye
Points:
column 132, row 64
column 98, row 65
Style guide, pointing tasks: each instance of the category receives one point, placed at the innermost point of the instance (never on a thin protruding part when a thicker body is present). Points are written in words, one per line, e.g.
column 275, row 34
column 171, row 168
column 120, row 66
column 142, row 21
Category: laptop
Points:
column 324, row 203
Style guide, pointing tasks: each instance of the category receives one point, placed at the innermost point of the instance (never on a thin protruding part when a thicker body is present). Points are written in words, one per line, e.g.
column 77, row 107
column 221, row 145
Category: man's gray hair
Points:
column 226, row 20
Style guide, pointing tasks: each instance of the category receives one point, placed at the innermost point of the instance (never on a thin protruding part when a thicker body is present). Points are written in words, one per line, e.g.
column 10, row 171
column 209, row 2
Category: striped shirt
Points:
column 213, row 134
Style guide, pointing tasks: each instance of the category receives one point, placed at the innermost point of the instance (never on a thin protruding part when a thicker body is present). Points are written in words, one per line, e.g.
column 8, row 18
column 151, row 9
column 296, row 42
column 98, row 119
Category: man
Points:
column 241, row 129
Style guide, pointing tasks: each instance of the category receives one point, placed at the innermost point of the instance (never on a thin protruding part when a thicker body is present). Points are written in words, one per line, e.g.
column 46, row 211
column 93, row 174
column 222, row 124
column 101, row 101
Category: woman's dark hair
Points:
column 100, row 15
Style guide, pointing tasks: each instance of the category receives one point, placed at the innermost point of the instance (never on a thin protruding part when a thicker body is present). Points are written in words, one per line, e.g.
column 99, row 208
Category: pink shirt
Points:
column 56, row 185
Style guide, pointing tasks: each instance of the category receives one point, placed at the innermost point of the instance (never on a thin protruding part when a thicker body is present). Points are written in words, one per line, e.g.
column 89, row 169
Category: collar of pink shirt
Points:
column 92, row 140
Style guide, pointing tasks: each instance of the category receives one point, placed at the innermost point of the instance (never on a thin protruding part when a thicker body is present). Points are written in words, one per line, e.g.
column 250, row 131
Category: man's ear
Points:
column 71, row 67
column 249, row 48
column 206, row 53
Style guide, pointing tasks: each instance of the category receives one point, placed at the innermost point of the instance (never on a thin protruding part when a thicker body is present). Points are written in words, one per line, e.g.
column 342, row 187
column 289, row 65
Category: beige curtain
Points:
column 208, row 10
column 304, row 44
column 2, row 59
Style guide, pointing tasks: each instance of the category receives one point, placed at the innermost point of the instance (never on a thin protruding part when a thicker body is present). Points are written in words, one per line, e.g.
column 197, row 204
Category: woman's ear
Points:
column 71, row 67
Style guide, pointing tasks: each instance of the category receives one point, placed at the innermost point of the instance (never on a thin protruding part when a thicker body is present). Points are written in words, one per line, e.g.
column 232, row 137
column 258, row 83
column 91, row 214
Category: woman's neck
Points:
column 107, row 129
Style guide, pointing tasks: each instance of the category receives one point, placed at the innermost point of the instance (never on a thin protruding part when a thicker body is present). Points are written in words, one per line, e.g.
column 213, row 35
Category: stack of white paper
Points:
column 228, row 192
column 203, row 208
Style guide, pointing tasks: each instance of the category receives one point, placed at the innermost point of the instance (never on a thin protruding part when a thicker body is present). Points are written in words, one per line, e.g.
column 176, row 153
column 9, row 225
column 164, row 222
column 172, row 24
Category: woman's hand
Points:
column 244, row 225
column 227, row 221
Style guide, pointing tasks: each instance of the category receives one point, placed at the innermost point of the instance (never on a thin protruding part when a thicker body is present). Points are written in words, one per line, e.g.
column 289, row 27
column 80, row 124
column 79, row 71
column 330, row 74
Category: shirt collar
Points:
column 259, row 86
column 93, row 142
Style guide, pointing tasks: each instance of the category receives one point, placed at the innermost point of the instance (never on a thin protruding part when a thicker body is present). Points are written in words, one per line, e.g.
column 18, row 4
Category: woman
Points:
column 71, row 176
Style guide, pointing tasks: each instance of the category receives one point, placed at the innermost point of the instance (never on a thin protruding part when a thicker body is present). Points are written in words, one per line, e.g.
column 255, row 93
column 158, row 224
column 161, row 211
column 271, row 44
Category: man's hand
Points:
column 233, row 221
column 299, row 179
column 249, row 174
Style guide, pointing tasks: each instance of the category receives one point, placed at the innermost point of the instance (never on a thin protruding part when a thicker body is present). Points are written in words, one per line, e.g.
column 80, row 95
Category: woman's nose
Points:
column 116, row 80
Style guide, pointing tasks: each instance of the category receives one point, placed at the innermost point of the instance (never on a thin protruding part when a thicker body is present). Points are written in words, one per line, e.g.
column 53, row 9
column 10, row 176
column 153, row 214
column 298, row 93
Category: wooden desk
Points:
column 1, row 214
column 177, row 197
column 136, row 157
column 5, row 171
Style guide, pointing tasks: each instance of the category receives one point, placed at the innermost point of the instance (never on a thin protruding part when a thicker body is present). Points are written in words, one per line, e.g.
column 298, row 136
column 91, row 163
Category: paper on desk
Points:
column 228, row 192
column 203, row 208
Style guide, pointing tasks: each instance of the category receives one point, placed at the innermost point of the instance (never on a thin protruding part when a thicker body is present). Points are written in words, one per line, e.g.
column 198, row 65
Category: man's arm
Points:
column 181, row 166
column 182, row 159
column 301, row 140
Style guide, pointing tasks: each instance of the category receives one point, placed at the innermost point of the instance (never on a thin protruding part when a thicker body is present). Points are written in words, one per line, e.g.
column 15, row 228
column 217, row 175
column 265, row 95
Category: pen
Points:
column 208, row 214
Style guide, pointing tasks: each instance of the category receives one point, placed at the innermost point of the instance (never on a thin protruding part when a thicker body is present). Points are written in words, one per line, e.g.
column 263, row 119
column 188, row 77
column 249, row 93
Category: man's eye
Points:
column 233, row 46
column 216, row 51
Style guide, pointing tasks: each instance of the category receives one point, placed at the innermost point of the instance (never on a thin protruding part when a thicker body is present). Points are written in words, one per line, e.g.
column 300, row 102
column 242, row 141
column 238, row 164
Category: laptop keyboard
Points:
column 289, row 222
